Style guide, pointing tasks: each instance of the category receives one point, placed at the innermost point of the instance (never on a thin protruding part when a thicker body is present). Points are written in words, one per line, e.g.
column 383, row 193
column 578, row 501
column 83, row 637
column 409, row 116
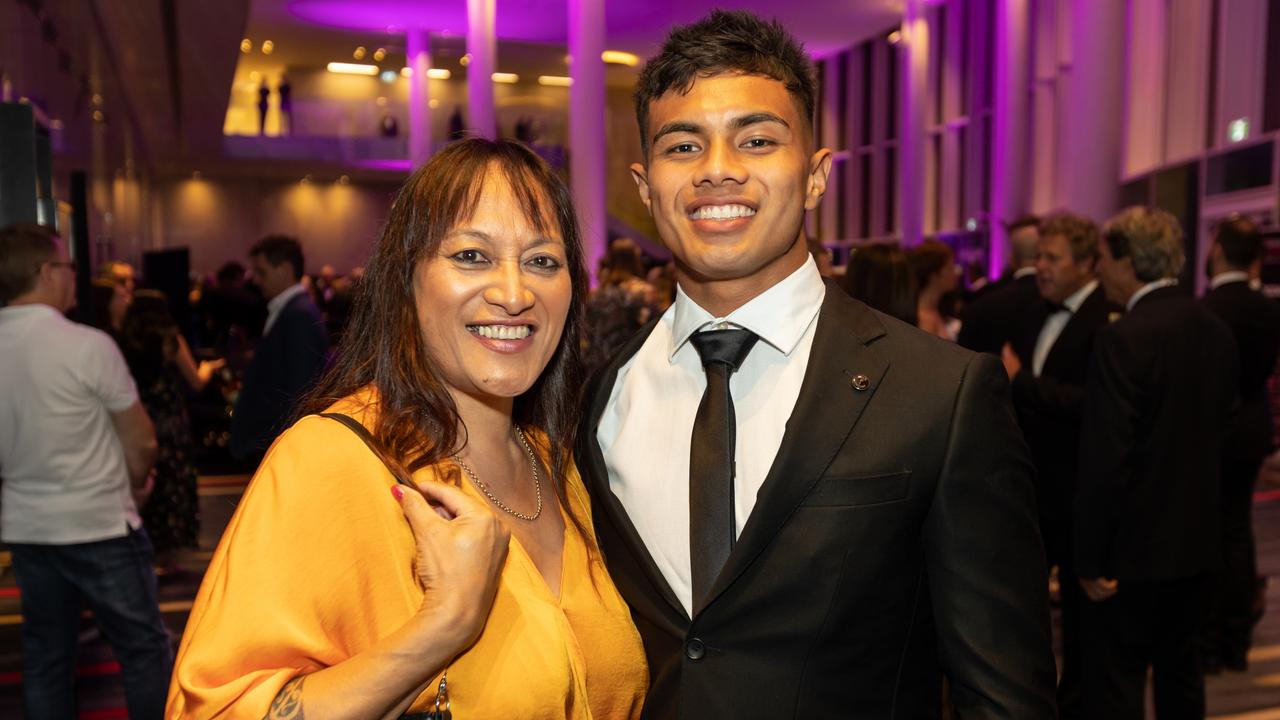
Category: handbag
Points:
column 441, row 711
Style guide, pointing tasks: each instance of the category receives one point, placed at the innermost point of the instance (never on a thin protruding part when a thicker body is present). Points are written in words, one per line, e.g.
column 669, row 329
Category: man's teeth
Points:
column 721, row 212
column 502, row 332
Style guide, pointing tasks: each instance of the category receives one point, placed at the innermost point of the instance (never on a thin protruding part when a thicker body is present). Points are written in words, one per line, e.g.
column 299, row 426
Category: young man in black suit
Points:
column 1047, row 365
column 288, row 358
column 838, row 509
column 1146, row 526
column 1254, row 321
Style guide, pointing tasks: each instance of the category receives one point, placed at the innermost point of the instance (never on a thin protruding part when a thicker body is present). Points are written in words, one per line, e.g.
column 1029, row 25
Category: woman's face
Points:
column 493, row 299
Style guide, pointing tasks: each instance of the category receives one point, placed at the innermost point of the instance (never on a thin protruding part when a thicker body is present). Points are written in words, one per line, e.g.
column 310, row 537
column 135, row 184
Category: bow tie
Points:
column 1054, row 307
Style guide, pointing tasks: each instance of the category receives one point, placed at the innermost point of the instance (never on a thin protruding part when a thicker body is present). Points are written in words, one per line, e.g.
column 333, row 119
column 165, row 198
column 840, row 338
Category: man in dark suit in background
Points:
column 1146, row 528
column 1009, row 304
column 290, row 356
column 814, row 510
column 1255, row 323
column 1047, row 365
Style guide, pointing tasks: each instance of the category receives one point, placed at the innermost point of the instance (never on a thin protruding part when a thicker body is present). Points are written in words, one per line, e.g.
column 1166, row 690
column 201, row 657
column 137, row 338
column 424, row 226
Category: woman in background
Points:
column 936, row 275
column 162, row 365
column 880, row 276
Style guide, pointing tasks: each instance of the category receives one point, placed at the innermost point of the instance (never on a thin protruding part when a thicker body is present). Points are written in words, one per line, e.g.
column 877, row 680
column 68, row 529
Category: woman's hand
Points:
column 461, row 550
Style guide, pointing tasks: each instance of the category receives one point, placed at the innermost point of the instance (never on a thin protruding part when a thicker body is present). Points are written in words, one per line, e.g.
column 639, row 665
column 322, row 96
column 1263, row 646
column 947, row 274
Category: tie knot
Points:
column 1056, row 307
column 728, row 347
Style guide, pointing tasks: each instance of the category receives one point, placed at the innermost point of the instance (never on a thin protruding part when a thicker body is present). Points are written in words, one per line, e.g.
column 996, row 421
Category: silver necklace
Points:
column 537, row 484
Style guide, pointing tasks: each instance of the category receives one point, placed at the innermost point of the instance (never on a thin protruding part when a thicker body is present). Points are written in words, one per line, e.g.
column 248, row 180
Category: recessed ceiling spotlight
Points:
column 379, row 54
column 268, row 47
column 246, row 45
column 359, row 53
column 465, row 60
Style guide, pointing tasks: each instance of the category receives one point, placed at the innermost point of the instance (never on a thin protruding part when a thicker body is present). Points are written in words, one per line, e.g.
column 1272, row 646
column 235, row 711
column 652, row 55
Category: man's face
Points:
column 729, row 177
column 1117, row 276
column 1058, row 274
column 273, row 279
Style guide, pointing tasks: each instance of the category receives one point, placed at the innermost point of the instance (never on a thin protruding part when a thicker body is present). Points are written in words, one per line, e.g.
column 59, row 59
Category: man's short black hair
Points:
column 726, row 41
column 1024, row 221
column 279, row 249
column 1240, row 241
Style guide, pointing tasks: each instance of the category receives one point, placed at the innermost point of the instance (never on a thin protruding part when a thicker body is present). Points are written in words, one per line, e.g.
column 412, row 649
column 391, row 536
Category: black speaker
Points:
column 169, row 272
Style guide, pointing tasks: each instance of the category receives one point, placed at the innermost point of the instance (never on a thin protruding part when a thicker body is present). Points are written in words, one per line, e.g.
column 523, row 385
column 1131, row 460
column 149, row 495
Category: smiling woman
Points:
column 461, row 372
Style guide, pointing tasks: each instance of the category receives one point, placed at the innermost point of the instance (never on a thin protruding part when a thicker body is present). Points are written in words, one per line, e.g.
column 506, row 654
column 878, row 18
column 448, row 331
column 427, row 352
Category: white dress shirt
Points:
column 277, row 303
column 1149, row 288
column 645, row 431
column 65, row 478
column 1054, row 324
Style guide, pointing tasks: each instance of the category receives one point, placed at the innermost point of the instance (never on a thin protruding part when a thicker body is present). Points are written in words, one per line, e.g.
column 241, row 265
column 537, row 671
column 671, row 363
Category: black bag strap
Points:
column 374, row 446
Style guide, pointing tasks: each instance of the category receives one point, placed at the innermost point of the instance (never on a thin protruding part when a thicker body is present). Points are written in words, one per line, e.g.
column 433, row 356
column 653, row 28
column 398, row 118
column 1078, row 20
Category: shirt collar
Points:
column 277, row 303
column 1077, row 298
column 779, row 315
column 1024, row 271
column 26, row 309
column 1228, row 277
column 1149, row 288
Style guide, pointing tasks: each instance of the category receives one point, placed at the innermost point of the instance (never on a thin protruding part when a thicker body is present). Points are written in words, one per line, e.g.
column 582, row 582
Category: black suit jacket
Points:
column 287, row 361
column 894, row 538
column 1160, row 391
column 1049, row 411
column 997, row 317
column 1254, row 320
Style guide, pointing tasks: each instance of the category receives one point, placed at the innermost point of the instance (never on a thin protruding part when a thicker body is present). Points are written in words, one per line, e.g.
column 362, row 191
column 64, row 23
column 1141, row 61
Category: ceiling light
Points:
column 618, row 57
column 381, row 101
column 465, row 60
column 556, row 80
column 895, row 37
column 439, row 73
column 379, row 54
column 343, row 180
column 505, row 78
column 388, row 76
column 246, row 45
column 352, row 68
column 433, row 103
column 359, row 53
column 255, row 76
column 268, row 47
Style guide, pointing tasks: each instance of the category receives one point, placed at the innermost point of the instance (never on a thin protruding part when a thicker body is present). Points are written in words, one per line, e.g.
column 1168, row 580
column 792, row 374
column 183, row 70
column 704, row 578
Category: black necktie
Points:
column 1056, row 307
column 711, row 523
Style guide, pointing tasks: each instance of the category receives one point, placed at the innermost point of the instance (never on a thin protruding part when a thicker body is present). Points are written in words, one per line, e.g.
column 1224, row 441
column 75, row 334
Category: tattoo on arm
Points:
column 288, row 702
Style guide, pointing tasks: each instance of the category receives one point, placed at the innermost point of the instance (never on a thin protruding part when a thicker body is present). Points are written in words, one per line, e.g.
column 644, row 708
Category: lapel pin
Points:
column 860, row 382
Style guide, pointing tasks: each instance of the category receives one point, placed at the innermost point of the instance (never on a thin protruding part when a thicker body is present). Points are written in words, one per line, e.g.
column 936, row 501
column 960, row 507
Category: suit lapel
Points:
column 825, row 412
column 596, row 475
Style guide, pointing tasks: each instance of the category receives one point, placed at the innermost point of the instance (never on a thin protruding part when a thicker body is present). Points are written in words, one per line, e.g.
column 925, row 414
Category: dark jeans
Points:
column 115, row 580
column 1152, row 624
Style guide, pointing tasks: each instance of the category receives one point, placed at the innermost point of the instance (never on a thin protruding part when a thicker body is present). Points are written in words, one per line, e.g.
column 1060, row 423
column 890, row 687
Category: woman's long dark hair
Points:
column 880, row 275
column 383, row 348
column 148, row 336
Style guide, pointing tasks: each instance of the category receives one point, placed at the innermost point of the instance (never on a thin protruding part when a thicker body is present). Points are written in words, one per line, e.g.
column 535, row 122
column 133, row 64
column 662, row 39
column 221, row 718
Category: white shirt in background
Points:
column 1055, row 323
column 277, row 303
column 65, row 478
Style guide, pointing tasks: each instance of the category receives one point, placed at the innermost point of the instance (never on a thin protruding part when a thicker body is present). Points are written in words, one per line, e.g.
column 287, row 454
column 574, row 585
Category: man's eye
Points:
column 682, row 148
column 758, row 143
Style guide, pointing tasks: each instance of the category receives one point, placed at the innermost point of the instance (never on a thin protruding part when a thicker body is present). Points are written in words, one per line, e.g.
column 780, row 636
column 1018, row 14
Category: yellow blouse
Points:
column 317, row 564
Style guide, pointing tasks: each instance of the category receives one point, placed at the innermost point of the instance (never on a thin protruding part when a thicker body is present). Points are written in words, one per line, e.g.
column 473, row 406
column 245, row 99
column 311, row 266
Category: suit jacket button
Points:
column 695, row 650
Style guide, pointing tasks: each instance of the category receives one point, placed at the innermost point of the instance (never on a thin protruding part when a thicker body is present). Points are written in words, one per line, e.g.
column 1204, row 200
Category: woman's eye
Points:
column 468, row 257
column 545, row 262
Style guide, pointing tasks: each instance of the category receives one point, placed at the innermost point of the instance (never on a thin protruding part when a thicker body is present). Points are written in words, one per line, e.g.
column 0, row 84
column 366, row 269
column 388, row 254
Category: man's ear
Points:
column 819, row 170
column 641, row 175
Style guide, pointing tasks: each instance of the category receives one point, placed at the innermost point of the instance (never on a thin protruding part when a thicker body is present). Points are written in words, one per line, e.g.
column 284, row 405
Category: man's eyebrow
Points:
column 676, row 127
column 759, row 117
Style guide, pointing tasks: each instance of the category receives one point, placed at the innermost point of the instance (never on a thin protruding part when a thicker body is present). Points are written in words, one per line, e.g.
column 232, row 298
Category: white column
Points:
column 587, row 124
column 418, row 43
column 1091, row 142
column 481, row 47
column 1009, row 160
column 911, row 131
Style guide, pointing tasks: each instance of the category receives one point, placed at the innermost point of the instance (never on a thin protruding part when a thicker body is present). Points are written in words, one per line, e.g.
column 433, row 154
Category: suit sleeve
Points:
column 985, row 561
column 1109, row 424
column 307, row 348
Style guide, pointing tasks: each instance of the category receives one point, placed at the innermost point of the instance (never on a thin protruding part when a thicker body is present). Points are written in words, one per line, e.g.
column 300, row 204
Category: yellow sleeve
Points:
column 314, row 567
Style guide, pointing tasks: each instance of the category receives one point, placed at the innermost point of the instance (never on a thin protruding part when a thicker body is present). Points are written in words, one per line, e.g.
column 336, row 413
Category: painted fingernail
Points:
column 397, row 493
